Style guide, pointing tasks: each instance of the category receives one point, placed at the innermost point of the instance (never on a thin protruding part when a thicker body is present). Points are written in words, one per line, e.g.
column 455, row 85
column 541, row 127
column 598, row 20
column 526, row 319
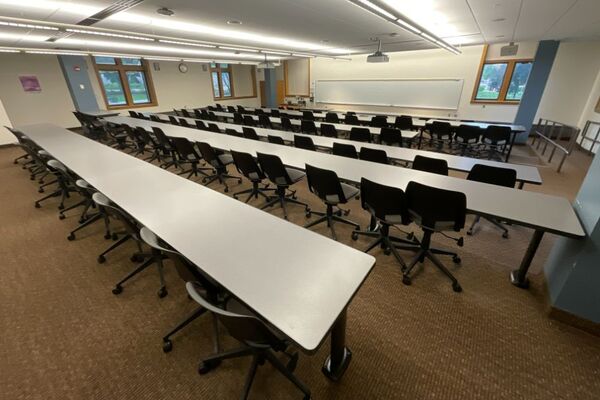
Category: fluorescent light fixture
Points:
column 9, row 51
column 28, row 26
column 187, row 43
column 238, row 49
column 60, row 53
column 407, row 25
column 302, row 55
column 377, row 9
column 429, row 37
column 281, row 53
column 101, row 33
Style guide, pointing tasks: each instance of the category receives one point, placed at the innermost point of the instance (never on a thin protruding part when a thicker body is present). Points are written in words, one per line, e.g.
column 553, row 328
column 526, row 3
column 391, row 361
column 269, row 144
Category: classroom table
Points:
column 525, row 173
column 541, row 212
column 100, row 113
column 299, row 281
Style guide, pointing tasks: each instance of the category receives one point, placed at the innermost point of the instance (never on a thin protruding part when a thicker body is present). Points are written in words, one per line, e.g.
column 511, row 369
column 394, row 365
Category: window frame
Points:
column 508, row 74
column 219, row 70
column 122, row 69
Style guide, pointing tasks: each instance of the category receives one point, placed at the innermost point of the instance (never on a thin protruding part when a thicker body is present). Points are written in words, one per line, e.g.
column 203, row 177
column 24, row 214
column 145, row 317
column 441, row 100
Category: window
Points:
column 502, row 81
column 221, row 81
column 125, row 82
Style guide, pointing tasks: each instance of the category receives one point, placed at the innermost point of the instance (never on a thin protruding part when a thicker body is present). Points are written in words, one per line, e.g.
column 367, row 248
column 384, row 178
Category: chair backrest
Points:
column 241, row 109
column 273, row 169
column 308, row 115
column 493, row 175
column 379, row 121
column 161, row 137
column 185, row 149
column 249, row 120
column 238, row 118
column 403, row 122
column 213, row 127
column 360, row 135
column 197, row 114
column 386, row 203
column 233, row 132
column 183, row 122
column 247, row 166
column 249, row 133
column 133, row 114
column 351, row 119
column 325, row 184
column 441, row 130
column 115, row 211
column 391, row 136
column 264, row 121
column 428, row 164
column 200, row 125
column 209, row 154
column 308, row 127
column 173, row 120
column 374, row 155
column 185, row 113
column 331, row 117
column 212, row 116
column 259, row 111
column 304, row 142
column 497, row 134
column 344, row 150
column 204, row 113
column 436, row 209
column 219, row 107
column 468, row 134
column 275, row 139
column 328, row 130
column 286, row 124
column 231, row 109
column 154, row 118
column 274, row 113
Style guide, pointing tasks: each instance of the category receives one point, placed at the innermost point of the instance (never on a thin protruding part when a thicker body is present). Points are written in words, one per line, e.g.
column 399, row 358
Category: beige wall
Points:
column 53, row 104
column 526, row 50
column 5, row 136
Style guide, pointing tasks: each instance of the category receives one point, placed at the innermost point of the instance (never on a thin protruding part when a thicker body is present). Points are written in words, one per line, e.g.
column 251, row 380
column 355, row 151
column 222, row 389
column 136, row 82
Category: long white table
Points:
column 297, row 280
column 525, row 173
column 541, row 212
column 100, row 113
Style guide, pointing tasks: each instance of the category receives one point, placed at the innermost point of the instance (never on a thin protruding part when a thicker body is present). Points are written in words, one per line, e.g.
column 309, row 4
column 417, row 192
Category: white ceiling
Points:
column 333, row 27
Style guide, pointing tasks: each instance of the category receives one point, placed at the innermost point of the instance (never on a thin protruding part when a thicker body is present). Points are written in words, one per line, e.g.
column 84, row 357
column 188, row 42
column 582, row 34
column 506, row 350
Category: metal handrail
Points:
column 584, row 135
column 551, row 133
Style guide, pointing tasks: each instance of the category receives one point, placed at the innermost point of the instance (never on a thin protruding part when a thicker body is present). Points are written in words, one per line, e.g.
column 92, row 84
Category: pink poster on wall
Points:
column 30, row 83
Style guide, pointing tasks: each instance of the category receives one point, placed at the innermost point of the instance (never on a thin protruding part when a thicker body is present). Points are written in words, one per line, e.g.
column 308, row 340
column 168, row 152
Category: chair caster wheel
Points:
column 456, row 287
column 207, row 366
column 107, row 236
column 406, row 280
column 470, row 232
column 456, row 259
column 61, row 207
column 239, row 181
column 226, row 190
column 71, row 237
column 505, row 235
column 387, row 251
column 354, row 236
column 347, row 212
column 37, row 205
column 162, row 292
column 115, row 236
column 410, row 236
column 117, row 290
column 40, row 190
column 307, row 214
column 339, row 213
column 167, row 346
column 61, row 216
column 136, row 258
column 235, row 197
column 101, row 259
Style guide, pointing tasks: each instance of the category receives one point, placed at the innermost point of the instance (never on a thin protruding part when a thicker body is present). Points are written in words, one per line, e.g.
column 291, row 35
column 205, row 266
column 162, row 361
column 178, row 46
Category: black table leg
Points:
column 421, row 137
column 512, row 142
column 518, row 277
column 521, row 184
column 336, row 364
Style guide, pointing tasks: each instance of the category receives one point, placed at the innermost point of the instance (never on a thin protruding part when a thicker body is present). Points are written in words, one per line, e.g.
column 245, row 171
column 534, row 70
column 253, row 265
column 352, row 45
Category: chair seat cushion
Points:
column 349, row 190
column 294, row 174
column 226, row 159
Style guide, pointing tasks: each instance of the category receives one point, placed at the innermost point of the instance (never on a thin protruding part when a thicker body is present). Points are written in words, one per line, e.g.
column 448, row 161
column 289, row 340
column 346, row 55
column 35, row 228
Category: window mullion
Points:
column 126, row 88
column 506, row 82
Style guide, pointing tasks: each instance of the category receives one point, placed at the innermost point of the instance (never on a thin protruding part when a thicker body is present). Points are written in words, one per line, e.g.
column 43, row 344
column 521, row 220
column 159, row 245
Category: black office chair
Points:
column 134, row 114
column 328, row 130
column 495, row 140
column 257, row 341
column 379, row 121
column 219, row 107
column 183, row 122
column 88, row 219
column 231, row 109
column 374, row 155
column 391, row 137
column 308, row 116
column 213, row 127
column 247, row 166
column 308, row 127
column 435, row 210
column 249, row 133
column 132, row 229
column 494, row 176
column 205, row 114
column 212, row 116
column 440, row 134
column 428, row 164
column 327, row 186
column 241, row 109
column 265, row 121
column 388, row 207
column 201, row 125
column 219, row 162
column 173, row 120
column 466, row 139
column 185, row 113
column 275, row 139
column 167, row 154
column 198, row 114
column 360, row 135
column 351, row 119
column 344, row 150
column 304, row 142
column 154, row 118
column 233, row 132
column 275, row 113
column 286, row 124
column 249, row 120
column 404, row 122
column 259, row 111
column 238, row 119
column 186, row 154
column 332, row 118
column 283, row 178
column 64, row 181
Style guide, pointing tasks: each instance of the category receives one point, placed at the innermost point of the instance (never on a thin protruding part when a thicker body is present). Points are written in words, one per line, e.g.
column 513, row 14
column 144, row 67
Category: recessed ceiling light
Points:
column 234, row 22
column 499, row 19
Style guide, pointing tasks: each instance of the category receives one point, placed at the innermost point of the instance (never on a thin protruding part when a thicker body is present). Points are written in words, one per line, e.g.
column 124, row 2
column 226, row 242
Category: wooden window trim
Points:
column 510, row 68
column 122, row 69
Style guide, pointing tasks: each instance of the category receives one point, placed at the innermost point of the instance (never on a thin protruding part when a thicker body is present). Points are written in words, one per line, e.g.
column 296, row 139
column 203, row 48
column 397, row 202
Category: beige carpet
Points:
column 64, row 335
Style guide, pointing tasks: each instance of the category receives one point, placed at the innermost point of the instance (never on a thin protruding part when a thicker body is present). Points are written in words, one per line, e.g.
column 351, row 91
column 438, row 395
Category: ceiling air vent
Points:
column 114, row 8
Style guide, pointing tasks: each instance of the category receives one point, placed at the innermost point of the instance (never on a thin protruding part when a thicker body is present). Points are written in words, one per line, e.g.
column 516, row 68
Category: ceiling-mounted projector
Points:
column 510, row 50
column 378, row 56
column 266, row 64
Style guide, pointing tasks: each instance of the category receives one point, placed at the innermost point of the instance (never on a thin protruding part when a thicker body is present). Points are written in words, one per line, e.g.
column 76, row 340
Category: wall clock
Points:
column 183, row 68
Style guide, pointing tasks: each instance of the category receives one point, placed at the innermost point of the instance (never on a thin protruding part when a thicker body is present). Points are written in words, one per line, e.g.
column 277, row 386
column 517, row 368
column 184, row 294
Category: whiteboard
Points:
column 410, row 93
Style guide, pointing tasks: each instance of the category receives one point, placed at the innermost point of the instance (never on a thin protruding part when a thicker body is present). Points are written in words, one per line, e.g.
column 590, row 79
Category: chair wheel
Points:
column 354, row 236
column 207, row 366
column 406, row 280
column 71, row 237
column 505, row 235
column 470, row 232
column 162, row 292
column 456, row 287
column 235, row 197
column 339, row 213
column 117, row 290
column 115, row 236
column 136, row 258
column 240, row 180
column 107, row 236
column 226, row 189
column 456, row 259
column 61, row 216
column 410, row 236
column 101, row 259
column 61, row 207
column 167, row 346
column 40, row 190
column 37, row 205
column 307, row 214
column 387, row 251
column 347, row 212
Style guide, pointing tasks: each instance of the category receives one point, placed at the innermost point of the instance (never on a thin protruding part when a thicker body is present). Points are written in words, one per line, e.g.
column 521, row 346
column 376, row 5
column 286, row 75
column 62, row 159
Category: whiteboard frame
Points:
column 390, row 105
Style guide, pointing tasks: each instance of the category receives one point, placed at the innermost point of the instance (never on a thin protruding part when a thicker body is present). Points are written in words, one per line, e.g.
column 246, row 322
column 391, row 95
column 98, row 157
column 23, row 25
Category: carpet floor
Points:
column 64, row 335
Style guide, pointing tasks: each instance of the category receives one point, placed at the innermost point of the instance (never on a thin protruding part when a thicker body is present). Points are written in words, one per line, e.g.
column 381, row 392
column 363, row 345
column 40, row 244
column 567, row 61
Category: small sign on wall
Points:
column 30, row 83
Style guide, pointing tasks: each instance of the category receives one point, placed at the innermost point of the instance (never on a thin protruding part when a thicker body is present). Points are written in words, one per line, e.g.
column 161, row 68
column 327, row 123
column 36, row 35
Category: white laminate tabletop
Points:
column 482, row 125
column 297, row 280
column 525, row 173
column 101, row 113
column 536, row 210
